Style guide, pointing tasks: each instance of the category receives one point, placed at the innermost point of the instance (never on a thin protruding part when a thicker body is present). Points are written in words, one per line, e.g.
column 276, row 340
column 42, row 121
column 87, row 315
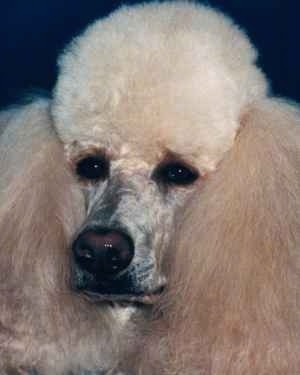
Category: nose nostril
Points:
column 103, row 252
column 116, row 260
column 85, row 253
column 84, row 256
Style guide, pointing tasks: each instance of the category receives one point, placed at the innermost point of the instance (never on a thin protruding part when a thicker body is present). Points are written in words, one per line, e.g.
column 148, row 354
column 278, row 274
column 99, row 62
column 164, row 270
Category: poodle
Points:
column 149, row 210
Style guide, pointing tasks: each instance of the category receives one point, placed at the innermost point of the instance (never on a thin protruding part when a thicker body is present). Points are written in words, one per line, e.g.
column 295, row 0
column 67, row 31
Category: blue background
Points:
column 33, row 32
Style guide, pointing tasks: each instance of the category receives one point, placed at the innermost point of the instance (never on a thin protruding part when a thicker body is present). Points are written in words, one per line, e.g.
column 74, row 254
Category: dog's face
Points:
column 131, row 200
column 147, row 103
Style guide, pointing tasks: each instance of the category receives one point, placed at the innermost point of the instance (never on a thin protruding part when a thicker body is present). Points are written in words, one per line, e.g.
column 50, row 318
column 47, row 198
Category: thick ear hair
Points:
column 38, row 210
column 234, row 273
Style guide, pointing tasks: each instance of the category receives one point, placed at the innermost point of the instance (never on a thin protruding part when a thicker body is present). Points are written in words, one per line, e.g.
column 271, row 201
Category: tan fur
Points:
column 232, row 307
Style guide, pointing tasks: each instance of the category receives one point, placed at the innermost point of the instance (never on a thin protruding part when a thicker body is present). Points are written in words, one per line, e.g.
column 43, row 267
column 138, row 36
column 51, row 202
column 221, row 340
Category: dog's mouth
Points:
column 130, row 287
column 147, row 298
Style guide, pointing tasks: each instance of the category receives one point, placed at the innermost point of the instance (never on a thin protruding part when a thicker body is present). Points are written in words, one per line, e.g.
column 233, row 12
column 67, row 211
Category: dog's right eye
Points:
column 94, row 167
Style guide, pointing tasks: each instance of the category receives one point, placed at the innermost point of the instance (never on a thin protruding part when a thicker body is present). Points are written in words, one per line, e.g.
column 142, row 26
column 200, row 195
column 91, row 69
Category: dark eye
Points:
column 176, row 173
column 93, row 167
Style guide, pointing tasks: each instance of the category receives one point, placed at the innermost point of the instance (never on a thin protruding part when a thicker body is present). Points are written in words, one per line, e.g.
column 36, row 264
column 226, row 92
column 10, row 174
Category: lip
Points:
column 149, row 298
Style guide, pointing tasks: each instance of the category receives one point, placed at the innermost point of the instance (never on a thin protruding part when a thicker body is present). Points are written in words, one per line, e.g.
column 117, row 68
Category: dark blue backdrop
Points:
column 32, row 33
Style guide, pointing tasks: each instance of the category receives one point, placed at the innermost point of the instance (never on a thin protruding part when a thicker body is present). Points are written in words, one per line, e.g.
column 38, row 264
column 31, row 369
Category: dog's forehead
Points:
column 133, row 152
column 149, row 129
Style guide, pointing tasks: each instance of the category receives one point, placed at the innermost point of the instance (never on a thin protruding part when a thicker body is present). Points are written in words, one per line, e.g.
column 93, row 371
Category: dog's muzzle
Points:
column 104, row 268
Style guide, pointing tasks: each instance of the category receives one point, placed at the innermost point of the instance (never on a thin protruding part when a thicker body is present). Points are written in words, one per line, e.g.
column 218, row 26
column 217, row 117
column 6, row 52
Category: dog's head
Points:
column 147, row 103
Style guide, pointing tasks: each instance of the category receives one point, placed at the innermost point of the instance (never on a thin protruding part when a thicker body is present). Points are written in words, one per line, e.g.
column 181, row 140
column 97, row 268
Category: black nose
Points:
column 103, row 252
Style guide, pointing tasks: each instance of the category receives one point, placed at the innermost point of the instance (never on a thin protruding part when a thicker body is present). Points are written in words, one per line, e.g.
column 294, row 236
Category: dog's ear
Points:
column 251, row 203
column 234, row 271
column 40, row 204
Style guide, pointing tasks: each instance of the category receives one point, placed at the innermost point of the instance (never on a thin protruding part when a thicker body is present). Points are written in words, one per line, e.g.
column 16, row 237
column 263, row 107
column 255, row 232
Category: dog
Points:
column 154, row 110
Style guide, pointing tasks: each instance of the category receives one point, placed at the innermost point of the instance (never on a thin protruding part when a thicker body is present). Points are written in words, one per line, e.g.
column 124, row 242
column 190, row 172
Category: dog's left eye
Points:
column 93, row 167
column 176, row 173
